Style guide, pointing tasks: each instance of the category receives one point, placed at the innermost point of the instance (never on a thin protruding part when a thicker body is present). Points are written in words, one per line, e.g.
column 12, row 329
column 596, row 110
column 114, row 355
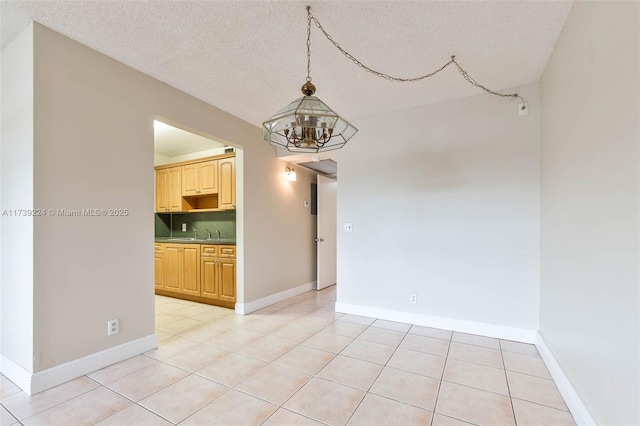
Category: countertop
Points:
column 186, row 240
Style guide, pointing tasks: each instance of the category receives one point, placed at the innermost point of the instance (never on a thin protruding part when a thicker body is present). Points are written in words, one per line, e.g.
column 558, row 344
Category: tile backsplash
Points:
column 225, row 222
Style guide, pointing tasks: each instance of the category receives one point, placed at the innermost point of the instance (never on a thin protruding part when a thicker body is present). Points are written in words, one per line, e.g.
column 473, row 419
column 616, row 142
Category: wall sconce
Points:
column 290, row 173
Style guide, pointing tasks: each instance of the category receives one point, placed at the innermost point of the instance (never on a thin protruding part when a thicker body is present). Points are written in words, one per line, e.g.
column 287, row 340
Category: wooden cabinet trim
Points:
column 199, row 160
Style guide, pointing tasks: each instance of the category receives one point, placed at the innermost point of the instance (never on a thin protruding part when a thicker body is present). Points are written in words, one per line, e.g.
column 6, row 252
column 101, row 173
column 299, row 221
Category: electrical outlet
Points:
column 348, row 227
column 413, row 298
column 305, row 204
column 184, row 227
column 113, row 327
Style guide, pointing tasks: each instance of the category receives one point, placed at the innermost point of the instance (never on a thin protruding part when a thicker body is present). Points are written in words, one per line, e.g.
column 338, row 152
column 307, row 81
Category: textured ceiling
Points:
column 249, row 58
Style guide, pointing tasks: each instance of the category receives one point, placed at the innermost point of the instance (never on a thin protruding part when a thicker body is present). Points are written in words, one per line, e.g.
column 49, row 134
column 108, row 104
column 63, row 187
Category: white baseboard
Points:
column 247, row 308
column 574, row 403
column 524, row 335
column 16, row 373
column 33, row 383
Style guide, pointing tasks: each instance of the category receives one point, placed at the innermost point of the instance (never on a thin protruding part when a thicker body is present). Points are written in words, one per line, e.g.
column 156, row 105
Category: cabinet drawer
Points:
column 209, row 250
column 227, row 251
column 158, row 248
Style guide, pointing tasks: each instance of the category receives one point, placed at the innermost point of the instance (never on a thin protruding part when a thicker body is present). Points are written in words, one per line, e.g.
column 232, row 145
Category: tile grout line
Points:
column 446, row 359
column 381, row 370
column 55, row 405
column 311, row 377
column 506, row 378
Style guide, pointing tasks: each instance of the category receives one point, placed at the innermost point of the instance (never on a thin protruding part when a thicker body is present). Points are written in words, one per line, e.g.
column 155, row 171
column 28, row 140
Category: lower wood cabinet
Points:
column 218, row 272
column 201, row 272
column 182, row 268
column 159, row 266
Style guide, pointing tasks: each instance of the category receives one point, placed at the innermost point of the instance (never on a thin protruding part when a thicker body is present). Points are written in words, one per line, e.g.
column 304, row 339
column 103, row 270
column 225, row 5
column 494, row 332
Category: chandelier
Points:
column 308, row 125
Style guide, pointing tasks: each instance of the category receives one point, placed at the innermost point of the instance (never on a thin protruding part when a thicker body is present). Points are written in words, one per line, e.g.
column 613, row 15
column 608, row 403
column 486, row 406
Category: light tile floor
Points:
column 299, row 363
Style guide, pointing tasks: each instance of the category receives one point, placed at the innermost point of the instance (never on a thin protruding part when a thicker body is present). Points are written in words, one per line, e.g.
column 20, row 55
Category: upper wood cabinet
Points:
column 199, row 185
column 200, row 178
column 227, row 183
column 169, row 190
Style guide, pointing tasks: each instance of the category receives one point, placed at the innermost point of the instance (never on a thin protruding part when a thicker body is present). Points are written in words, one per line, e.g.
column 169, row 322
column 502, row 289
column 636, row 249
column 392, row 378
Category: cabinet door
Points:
column 159, row 267
column 209, row 278
column 190, row 180
column 227, row 279
column 162, row 191
column 191, row 269
column 174, row 179
column 172, row 267
column 227, row 191
column 208, row 177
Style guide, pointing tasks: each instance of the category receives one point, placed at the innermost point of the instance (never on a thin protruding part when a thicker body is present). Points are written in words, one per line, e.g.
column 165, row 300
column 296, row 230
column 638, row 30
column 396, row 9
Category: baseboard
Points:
column 16, row 373
column 574, row 403
column 483, row 329
column 247, row 308
column 54, row 376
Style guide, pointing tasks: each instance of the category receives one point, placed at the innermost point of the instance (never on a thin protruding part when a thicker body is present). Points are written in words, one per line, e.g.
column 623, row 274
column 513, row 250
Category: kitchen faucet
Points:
column 195, row 233
column 218, row 234
column 208, row 234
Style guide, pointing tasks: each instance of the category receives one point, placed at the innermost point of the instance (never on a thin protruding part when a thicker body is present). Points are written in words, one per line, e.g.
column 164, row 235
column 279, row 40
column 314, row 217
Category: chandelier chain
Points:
column 308, row 43
column 467, row 77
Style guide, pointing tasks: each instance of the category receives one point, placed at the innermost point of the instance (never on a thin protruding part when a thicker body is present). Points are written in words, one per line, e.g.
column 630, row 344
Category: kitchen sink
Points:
column 181, row 239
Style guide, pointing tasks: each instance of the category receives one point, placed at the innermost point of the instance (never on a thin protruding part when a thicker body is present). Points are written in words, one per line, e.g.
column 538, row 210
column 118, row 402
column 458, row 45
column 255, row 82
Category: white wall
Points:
column 159, row 159
column 89, row 110
column 444, row 201
column 0, row 208
column 17, row 193
column 590, row 297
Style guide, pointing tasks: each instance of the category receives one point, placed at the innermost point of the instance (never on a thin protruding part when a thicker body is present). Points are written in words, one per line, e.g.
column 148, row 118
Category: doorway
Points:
column 203, row 206
column 327, row 232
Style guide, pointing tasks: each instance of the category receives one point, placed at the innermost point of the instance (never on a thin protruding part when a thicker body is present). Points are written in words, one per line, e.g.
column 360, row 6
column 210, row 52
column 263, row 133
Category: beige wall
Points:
column 444, row 202
column 279, row 232
column 590, row 300
column 93, row 148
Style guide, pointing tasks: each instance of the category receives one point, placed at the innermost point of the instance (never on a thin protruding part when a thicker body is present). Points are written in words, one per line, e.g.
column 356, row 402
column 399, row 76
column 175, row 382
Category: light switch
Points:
column 348, row 227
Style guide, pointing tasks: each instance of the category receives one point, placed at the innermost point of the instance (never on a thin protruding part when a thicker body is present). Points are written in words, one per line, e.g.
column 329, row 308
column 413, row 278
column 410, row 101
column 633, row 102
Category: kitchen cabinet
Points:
column 182, row 268
column 201, row 272
column 227, row 280
column 200, row 178
column 169, row 190
column 218, row 272
column 197, row 186
column 159, row 266
column 227, row 183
